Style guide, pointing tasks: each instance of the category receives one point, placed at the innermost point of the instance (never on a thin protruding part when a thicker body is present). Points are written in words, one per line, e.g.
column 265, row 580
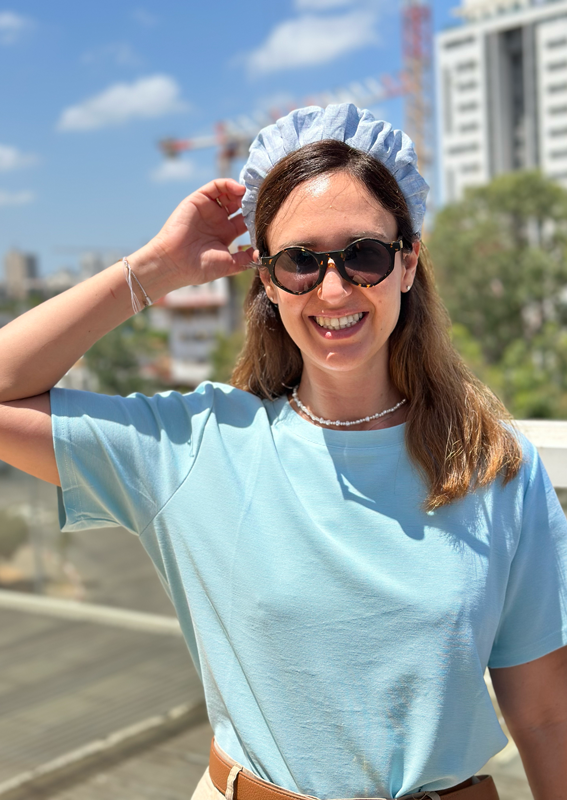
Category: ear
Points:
column 409, row 266
column 271, row 290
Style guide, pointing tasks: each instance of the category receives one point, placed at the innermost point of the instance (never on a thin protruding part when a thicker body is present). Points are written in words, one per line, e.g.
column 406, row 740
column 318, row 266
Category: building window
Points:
column 467, row 168
column 466, row 66
column 558, row 154
column 557, row 87
column 558, row 110
column 469, row 127
column 556, row 43
column 471, row 147
column 466, row 87
column 459, row 42
column 555, row 65
column 468, row 107
column 558, row 132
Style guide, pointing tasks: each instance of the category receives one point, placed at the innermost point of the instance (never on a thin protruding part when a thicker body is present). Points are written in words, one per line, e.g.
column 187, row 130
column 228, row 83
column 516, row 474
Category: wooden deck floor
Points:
column 66, row 683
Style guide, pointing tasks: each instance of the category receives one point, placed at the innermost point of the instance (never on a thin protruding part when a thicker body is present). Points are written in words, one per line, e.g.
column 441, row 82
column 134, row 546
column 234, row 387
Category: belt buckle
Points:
column 424, row 795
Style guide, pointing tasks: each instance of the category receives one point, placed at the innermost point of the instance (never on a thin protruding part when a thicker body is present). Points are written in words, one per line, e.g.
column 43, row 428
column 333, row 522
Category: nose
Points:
column 333, row 289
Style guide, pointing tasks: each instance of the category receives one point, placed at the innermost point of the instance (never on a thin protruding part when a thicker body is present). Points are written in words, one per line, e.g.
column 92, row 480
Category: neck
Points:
column 347, row 396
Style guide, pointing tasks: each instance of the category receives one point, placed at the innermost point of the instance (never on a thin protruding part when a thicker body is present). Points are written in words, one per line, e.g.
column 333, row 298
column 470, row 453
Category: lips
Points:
column 334, row 329
column 338, row 323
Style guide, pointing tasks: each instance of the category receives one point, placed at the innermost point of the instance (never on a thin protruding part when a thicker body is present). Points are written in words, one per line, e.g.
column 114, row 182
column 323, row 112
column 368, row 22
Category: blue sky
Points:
column 87, row 89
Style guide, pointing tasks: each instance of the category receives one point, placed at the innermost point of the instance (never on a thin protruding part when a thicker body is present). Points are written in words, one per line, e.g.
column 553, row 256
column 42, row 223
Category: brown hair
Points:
column 454, row 430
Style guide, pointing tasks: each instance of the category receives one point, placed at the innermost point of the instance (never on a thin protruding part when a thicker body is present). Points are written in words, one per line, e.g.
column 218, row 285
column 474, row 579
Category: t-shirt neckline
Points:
column 286, row 417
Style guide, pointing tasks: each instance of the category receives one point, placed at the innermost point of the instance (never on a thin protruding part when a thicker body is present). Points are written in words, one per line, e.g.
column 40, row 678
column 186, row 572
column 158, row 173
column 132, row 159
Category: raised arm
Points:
column 40, row 346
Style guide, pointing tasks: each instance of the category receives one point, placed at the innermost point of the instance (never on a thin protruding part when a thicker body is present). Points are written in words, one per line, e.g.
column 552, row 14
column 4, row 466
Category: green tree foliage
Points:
column 501, row 261
column 13, row 533
column 117, row 358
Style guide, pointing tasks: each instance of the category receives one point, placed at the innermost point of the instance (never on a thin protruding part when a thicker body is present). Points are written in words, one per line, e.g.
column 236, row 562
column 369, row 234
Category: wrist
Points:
column 154, row 270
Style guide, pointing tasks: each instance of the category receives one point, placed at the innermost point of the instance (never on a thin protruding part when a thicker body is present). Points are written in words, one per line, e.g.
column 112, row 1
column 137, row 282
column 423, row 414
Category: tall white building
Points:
column 502, row 91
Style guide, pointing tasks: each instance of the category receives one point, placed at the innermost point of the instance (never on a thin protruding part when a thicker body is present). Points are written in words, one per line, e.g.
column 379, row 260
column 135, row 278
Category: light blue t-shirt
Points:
column 341, row 631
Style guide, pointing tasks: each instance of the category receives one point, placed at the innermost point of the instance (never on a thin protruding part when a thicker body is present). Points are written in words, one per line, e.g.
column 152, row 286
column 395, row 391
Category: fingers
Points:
column 243, row 258
column 238, row 225
column 228, row 205
column 220, row 187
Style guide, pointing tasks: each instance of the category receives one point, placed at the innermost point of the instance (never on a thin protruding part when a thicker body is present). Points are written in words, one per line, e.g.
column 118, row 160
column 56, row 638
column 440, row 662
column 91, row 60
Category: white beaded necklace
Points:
column 337, row 422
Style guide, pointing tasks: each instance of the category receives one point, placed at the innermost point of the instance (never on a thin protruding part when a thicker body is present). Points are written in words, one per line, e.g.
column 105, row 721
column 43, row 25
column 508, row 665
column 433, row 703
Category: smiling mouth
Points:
column 338, row 323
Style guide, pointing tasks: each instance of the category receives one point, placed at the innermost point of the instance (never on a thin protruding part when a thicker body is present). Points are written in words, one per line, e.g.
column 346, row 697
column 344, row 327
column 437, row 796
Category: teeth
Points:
column 338, row 323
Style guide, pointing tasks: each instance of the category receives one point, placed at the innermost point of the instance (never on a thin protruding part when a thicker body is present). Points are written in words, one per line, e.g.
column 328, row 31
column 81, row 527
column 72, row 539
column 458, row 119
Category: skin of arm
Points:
column 533, row 700
column 40, row 346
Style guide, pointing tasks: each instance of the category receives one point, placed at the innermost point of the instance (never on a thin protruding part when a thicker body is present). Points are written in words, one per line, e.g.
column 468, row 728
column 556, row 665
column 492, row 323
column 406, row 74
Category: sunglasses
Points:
column 365, row 263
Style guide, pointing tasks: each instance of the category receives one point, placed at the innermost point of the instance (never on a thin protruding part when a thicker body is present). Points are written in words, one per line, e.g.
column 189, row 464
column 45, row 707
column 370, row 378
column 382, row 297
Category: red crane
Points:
column 417, row 39
column 233, row 137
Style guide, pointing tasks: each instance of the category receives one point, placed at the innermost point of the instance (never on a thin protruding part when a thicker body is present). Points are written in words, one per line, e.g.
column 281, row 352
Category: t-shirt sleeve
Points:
column 121, row 458
column 534, row 616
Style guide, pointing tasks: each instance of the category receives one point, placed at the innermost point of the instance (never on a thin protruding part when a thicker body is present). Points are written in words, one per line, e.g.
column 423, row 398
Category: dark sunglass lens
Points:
column 296, row 270
column 367, row 262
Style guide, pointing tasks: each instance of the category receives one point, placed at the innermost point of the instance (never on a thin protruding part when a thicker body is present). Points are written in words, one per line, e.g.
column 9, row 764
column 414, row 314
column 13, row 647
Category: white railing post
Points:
column 550, row 438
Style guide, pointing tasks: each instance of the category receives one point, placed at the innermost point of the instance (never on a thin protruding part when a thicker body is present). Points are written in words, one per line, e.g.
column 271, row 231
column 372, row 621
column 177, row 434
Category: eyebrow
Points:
column 311, row 245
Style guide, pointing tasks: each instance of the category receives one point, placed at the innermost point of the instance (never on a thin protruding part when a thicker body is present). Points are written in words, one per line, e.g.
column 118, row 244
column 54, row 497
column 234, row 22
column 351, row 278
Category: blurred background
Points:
column 110, row 114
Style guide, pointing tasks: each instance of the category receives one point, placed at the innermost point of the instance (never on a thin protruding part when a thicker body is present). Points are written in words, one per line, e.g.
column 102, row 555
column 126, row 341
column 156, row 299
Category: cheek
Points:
column 291, row 313
column 387, row 305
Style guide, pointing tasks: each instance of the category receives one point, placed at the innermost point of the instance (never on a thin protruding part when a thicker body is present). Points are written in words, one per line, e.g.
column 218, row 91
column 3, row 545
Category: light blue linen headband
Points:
column 346, row 123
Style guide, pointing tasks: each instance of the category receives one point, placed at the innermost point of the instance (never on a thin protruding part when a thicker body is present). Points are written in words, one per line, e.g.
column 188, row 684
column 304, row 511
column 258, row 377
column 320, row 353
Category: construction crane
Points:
column 233, row 137
column 417, row 41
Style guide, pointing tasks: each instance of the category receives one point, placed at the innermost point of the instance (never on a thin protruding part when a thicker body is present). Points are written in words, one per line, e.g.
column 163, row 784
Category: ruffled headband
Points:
column 346, row 123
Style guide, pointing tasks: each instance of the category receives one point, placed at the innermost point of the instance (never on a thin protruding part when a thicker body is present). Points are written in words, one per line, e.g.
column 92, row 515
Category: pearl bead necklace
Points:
column 337, row 422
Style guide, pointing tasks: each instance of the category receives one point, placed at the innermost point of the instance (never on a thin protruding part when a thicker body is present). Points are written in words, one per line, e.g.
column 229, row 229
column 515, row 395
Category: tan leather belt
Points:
column 237, row 783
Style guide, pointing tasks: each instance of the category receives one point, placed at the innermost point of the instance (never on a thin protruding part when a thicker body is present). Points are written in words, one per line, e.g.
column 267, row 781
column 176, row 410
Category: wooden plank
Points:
column 66, row 683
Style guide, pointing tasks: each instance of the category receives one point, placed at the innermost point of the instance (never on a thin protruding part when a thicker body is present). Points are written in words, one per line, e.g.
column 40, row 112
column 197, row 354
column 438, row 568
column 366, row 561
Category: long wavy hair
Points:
column 454, row 432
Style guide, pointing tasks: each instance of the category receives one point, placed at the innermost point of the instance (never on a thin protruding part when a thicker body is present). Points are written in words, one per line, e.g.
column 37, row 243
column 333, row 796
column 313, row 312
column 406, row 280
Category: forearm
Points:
column 543, row 753
column 40, row 346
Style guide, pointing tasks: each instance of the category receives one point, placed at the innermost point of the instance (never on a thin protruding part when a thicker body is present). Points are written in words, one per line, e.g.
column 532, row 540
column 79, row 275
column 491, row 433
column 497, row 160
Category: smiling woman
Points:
column 352, row 531
column 354, row 345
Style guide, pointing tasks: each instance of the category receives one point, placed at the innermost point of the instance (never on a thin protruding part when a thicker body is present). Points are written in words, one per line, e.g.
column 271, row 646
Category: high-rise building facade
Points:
column 502, row 92
column 20, row 271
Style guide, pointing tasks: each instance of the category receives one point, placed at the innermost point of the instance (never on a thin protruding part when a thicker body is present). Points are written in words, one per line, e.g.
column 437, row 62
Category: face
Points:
column 328, row 213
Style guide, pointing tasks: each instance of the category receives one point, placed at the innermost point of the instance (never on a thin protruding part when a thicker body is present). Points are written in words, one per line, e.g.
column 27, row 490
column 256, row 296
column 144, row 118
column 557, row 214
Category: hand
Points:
column 193, row 244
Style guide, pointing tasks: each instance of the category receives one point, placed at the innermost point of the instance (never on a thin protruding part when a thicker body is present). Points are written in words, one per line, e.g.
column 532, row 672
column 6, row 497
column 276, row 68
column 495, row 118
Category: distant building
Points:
column 60, row 281
column 502, row 90
column 194, row 316
column 90, row 264
column 93, row 262
column 79, row 377
column 20, row 271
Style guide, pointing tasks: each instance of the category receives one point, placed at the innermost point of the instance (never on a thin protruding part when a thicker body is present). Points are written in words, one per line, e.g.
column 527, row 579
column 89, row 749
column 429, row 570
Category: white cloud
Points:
column 144, row 18
column 309, row 41
column 16, row 198
column 121, row 53
column 321, row 5
column 12, row 158
column 12, row 26
column 154, row 96
column 173, row 169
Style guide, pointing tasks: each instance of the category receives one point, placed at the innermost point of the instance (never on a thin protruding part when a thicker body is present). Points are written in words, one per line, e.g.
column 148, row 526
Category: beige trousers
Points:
column 206, row 790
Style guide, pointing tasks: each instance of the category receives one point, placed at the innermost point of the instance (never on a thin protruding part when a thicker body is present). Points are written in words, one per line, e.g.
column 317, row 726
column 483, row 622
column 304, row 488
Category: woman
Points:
column 352, row 534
